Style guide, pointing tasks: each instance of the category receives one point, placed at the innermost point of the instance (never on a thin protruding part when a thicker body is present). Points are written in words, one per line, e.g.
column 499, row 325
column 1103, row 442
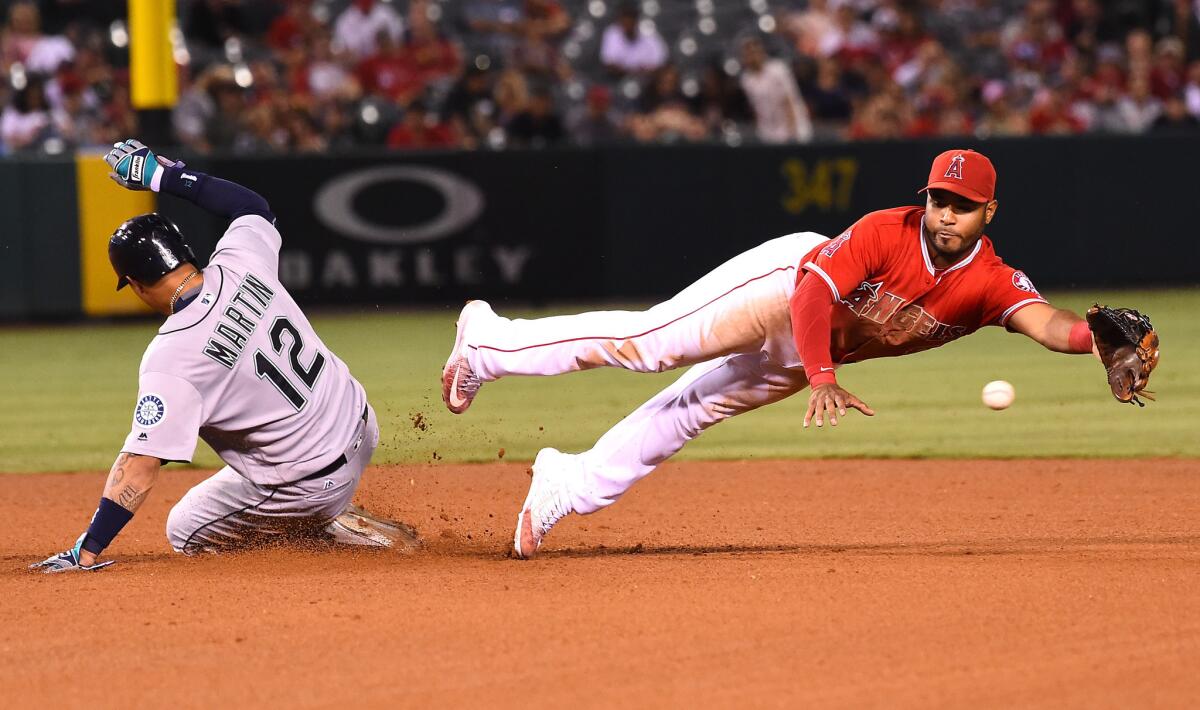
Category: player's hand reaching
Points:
column 69, row 561
column 134, row 165
column 833, row 401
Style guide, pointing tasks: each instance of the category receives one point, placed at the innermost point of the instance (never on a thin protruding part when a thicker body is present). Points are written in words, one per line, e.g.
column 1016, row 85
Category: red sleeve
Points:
column 845, row 262
column 812, row 314
column 1009, row 292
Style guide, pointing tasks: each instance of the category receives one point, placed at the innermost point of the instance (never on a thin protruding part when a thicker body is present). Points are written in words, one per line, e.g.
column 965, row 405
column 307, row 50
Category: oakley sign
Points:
column 334, row 204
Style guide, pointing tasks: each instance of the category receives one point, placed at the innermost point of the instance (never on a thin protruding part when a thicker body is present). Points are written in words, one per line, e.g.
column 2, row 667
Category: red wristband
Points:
column 822, row 378
column 1080, row 339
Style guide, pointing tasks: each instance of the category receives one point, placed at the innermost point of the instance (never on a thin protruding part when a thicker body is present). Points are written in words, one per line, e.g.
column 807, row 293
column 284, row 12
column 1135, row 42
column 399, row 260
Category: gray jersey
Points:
column 242, row 368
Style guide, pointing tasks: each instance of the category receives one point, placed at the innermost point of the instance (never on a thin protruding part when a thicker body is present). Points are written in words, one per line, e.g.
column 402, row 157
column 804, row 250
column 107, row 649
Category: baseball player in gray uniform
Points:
column 237, row 364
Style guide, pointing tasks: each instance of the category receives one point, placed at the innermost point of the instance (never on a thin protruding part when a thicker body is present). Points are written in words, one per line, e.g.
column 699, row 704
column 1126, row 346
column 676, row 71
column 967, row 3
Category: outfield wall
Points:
column 631, row 222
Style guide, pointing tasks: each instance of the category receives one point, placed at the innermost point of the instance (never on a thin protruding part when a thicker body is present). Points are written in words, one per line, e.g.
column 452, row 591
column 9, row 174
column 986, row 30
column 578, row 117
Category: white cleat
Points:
column 460, row 384
column 357, row 527
column 546, row 504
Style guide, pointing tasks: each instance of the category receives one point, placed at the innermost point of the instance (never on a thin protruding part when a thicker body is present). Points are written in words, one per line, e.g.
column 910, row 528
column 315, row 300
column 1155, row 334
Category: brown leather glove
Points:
column 1128, row 347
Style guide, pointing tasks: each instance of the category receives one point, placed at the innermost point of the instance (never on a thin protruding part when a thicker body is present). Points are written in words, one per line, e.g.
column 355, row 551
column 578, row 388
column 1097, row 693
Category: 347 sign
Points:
column 826, row 184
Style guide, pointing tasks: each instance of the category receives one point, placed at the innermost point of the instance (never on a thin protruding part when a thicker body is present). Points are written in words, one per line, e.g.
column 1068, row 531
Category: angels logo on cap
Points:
column 949, row 172
column 956, row 166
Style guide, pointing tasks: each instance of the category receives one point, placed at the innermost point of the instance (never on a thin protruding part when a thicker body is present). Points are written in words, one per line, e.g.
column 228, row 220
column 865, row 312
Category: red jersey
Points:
column 888, row 298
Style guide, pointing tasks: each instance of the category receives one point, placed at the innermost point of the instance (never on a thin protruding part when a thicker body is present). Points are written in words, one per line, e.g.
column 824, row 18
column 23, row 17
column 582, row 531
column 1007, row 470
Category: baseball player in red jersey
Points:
column 763, row 326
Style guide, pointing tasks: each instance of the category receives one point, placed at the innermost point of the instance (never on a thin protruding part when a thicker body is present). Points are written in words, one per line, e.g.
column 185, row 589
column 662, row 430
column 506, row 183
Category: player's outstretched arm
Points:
column 130, row 479
column 811, row 312
column 136, row 167
column 1122, row 339
column 1055, row 329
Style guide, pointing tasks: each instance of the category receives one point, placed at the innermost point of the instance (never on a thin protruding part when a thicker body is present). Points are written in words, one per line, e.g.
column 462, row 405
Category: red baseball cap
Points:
column 963, row 172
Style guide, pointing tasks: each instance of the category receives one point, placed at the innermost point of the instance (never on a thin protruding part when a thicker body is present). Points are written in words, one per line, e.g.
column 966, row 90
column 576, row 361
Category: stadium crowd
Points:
column 316, row 75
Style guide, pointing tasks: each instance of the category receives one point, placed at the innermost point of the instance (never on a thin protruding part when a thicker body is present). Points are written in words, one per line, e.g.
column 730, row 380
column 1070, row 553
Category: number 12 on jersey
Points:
column 267, row 370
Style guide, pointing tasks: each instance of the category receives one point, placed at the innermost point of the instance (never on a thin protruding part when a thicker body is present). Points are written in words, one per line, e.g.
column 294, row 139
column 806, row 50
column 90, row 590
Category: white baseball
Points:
column 998, row 394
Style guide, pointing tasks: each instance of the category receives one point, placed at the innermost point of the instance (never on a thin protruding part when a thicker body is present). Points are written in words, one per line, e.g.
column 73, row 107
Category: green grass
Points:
column 69, row 391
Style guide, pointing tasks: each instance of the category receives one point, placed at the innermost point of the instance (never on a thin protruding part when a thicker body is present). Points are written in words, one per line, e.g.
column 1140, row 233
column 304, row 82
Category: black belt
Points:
column 333, row 465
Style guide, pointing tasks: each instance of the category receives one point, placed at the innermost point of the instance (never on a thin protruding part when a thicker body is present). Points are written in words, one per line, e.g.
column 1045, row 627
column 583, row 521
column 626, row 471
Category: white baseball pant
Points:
column 733, row 326
column 227, row 510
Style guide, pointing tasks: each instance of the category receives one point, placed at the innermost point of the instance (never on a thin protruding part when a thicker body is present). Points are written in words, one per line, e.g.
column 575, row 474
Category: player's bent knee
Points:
column 180, row 528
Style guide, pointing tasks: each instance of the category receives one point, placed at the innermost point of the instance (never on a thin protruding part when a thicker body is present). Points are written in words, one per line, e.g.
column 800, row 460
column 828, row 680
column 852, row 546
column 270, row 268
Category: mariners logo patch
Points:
column 1021, row 281
column 150, row 411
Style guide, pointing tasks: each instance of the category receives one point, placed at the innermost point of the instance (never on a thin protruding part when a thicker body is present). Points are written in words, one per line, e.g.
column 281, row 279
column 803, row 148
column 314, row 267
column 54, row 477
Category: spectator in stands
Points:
column 1051, row 114
column 358, row 29
column 1185, row 24
column 853, row 38
column 1139, row 108
column 81, row 121
column 665, row 114
column 928, row 64
column 779, row 113
column 1167, row 74
column 22, row 41
column 999, row 118
column 1175, row 119
column 629, row 48
column 1105, row 113
column 1088, row 27
column 539, row 125
column 436, row 58
column 1191, row 89
column 883, row 116
column 511, row 95
column 323, row 75
column 721, row 100
column 261, row 131
column 902, row 38
column 875, row 69
column 28, row 122
column 954, row 122
column 213, row 22
column 539, row 19
column 291, row 29
column 197, row 107
column 304, row 133
column 595, row 123
column 391, row 72
column 829, row 97
column 470, row 107
column 419, row 130
column 537, row 32
column 221, row 133
column 813, row 30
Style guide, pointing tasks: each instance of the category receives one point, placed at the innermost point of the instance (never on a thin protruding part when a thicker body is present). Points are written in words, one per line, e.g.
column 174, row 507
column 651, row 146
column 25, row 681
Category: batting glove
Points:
column 136, row 167
column 68, row 561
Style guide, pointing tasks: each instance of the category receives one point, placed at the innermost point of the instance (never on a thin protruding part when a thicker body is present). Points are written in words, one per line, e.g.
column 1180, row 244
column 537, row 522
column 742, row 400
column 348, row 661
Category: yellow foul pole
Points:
column 154, row 84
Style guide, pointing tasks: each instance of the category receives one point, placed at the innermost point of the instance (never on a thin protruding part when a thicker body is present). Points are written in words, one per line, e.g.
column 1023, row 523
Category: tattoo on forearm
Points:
column 131, row 498
column 118, row 470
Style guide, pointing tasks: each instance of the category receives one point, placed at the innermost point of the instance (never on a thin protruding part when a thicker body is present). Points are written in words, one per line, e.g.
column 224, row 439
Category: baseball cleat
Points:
column 546, row 504
column 460, row 384
column 358, row 527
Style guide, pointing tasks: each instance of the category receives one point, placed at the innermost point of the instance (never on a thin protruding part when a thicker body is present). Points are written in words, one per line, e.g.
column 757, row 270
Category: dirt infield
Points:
column 823, row 584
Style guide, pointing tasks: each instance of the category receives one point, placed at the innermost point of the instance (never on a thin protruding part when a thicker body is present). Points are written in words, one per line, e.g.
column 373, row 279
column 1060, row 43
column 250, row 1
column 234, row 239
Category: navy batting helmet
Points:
column 146, row 248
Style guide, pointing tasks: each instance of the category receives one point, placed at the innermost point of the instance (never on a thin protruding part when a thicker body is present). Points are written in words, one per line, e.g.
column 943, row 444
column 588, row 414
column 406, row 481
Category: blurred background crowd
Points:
column 315, row 75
